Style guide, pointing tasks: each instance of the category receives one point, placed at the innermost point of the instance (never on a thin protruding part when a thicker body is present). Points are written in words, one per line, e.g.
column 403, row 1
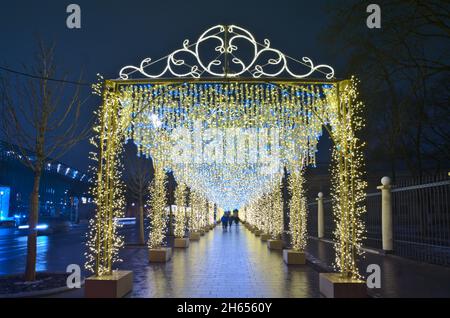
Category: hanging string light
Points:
column 180, row 219
column 298, row 211
column 196, row 208
column 348, row 184
column 231, row 150
column 204, row 213
column 103, row 239
column 276, row 223
column 158, row 203
column 229, row 143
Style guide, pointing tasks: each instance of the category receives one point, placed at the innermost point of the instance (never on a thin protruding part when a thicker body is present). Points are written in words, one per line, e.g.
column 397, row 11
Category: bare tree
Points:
column 42, row 119
column 403, row 67
column 139, row 172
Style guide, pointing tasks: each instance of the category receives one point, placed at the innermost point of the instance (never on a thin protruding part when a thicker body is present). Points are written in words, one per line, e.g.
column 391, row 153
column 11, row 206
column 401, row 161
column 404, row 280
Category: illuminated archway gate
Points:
column 228, row 138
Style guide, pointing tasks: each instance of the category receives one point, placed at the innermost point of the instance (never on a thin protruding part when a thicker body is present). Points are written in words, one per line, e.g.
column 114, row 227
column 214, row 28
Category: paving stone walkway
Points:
column 233, row 263
column 223, row 264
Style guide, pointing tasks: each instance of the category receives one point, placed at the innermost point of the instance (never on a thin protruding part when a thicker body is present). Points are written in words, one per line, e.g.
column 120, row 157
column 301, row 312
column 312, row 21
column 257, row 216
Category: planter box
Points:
column 116, row 285
column 181, row 242
column 159, row 255
column 194, row 236
column 332, row 285
column 202, row 232
column 291, row 257
column 275, row 244
column 265, row 237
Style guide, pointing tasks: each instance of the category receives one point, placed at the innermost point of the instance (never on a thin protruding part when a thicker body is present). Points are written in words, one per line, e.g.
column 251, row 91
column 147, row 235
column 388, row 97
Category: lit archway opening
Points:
column 228, row 138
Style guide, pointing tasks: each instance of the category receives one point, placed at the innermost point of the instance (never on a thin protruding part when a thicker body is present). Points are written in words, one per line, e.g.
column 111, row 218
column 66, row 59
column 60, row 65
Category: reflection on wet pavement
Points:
column 221, row 264
column 400, row 277
column 54, row 252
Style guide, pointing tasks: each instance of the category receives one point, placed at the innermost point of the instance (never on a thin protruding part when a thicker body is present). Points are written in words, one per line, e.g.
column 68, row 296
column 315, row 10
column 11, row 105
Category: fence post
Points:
column 320, row 220
column 386, row 214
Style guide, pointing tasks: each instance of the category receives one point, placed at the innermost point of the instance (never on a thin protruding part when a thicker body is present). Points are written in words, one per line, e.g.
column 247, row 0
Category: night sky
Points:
column 118, row 33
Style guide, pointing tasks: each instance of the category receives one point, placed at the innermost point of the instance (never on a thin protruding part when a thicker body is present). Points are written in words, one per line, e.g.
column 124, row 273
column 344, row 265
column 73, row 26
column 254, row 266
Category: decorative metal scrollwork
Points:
column 227, row 36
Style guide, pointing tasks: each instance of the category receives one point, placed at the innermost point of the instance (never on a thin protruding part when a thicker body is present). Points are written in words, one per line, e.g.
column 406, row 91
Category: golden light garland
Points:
column 227, row 138
column 196, row 211
column 103, row 241
column 298, row 211
column 264, row 205
column 348, row 184
column 180, row 216
column 211, row 207
column 276, row 224
column 204, row 213
column 158, row 203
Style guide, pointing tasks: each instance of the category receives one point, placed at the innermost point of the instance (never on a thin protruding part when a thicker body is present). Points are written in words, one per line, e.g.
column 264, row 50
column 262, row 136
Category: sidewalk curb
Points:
column 364, row 248
column 40, row 293
column 317, row 264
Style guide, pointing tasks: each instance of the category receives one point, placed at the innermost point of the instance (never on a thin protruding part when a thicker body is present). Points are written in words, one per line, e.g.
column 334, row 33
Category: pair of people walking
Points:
column 228, row 219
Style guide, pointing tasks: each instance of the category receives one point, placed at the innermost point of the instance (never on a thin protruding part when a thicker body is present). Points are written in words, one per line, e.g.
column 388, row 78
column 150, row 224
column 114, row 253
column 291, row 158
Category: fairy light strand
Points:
column 229, row 144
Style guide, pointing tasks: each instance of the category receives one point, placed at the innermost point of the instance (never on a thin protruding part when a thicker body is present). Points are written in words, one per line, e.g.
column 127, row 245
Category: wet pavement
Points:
column 54, row 252
column 222, row 264
column 234, row 263
column 400, row 277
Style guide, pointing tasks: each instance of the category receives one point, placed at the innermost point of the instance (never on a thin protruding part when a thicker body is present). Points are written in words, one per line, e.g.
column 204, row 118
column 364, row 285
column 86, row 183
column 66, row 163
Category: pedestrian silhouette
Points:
column 230, row 219
column 236, row 216
column 224, row 220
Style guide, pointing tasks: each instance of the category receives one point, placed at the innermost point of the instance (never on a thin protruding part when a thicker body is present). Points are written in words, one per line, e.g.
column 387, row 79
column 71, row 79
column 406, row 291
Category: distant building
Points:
column 63, row 190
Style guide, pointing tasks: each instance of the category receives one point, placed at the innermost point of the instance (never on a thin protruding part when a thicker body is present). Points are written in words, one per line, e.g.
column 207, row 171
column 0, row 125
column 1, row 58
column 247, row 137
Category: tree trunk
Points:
column 30, row 271
column 141, row 221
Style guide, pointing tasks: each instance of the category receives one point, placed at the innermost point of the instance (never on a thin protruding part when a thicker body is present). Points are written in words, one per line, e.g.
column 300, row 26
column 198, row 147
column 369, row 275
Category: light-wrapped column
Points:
column 348, row 185
column 180, row 217
column 276, row 224
column 297, row 211
column 158, row 202
column 103, row 240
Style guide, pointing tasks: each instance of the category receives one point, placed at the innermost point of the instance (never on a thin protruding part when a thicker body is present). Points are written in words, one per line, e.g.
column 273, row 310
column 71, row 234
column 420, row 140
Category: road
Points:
column 54, row 251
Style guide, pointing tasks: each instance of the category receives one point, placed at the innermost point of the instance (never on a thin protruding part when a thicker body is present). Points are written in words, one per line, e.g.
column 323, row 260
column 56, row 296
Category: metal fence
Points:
column 328, row 219
column 421, row 215
column 421, row 219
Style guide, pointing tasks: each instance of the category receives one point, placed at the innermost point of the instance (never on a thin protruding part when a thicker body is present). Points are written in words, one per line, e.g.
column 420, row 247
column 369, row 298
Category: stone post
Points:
column 320, row 219
column 386, row 214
